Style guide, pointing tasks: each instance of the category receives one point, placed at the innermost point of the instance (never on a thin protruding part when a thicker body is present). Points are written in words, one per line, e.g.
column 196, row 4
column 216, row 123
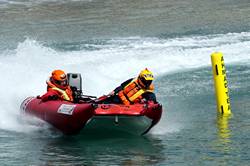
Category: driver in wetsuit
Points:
column 58, row 87
column 134, row 90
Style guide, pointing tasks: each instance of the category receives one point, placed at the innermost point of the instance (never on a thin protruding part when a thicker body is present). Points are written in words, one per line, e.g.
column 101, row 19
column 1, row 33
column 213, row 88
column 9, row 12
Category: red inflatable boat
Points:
column 71, row 118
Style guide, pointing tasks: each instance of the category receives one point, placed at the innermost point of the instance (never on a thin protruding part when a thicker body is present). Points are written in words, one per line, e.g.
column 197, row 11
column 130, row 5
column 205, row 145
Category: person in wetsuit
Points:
column 58, row 87
column 134, row 90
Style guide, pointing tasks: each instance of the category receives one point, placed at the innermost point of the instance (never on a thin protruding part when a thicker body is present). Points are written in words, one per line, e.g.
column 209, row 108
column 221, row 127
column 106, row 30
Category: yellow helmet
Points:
column 146, row 77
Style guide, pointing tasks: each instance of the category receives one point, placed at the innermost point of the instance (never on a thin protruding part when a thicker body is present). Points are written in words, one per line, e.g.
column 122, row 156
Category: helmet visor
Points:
column 145, row 82
column 62, row 82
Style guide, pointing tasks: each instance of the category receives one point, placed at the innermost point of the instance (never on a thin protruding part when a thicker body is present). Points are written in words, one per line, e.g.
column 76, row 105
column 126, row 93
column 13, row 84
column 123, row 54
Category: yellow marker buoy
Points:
column 220, row 83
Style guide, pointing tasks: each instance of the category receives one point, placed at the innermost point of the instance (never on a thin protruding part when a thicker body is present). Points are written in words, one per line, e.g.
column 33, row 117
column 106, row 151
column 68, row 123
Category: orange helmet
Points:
column 146, row 78
column 59, row 79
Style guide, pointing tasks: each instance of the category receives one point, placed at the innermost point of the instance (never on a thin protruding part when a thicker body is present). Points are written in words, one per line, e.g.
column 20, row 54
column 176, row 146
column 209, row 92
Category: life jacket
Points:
column 64, row 94
column 132, row 93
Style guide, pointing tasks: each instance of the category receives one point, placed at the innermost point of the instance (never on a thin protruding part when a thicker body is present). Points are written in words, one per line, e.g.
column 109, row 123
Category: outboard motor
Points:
column 75, row 82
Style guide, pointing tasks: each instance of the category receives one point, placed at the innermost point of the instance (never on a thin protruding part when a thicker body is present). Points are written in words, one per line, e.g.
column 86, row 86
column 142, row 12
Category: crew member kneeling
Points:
column 58, row 87
column 135, row 90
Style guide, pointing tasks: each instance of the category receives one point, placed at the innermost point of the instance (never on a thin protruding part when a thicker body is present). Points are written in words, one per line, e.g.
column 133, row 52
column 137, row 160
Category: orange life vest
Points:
column 132, row 93
column 64, row 94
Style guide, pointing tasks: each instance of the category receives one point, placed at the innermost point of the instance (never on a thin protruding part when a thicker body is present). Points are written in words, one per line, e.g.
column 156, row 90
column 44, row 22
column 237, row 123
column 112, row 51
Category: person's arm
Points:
column 149, row 96
column 122, row 86
column 50, row 95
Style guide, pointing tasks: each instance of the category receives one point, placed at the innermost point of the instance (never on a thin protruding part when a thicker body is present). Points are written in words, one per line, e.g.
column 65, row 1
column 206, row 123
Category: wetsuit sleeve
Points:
column 149, row 96
column 50, row 95
column 121, row 87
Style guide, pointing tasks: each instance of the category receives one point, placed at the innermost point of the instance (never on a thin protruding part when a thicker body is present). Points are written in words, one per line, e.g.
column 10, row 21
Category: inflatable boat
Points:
column 72, row 118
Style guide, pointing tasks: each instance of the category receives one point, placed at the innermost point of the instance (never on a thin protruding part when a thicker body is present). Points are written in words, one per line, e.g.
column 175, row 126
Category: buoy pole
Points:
column 220, row 84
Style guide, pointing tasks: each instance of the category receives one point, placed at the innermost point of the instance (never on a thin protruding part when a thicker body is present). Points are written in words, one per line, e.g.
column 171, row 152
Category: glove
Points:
column 49, row 96
column 111, row 93
column 143, row 101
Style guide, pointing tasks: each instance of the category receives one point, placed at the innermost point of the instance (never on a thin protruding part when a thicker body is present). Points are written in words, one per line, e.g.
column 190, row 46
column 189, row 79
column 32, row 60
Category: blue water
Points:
column 109, row 42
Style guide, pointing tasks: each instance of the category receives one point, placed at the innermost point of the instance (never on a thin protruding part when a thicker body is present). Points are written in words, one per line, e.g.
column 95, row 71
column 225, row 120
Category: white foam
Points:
column 25, row 69
column 28, row 3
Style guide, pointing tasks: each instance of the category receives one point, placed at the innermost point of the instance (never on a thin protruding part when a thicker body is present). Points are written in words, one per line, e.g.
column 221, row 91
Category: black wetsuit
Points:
column 148, row 96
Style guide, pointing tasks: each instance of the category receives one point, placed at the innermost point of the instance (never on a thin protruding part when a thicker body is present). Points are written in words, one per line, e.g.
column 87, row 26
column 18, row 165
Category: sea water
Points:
column 109, row 42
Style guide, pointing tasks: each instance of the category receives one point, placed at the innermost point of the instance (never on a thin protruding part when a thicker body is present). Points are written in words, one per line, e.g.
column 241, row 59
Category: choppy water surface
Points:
column 109, row 42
